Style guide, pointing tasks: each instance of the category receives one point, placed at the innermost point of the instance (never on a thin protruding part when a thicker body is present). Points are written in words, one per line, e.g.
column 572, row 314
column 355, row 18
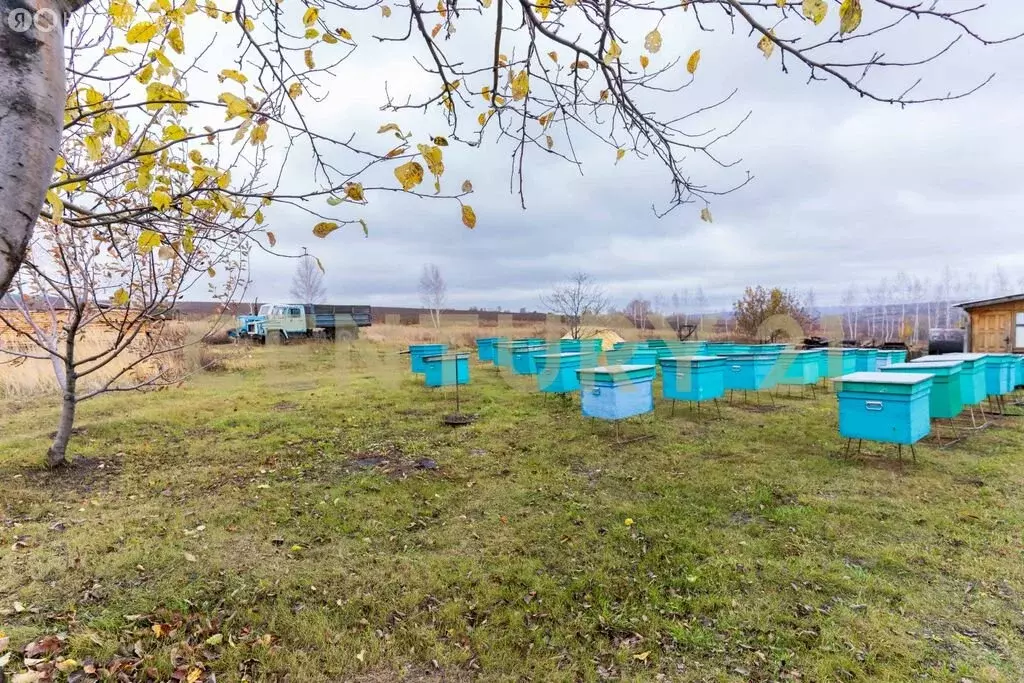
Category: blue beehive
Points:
column 867, row 360
column 999, row 374
column 799, row 368
column 418, row 351
column 615, row 392
column 523, row 359
column 750, row 371
column 632, row 356
column 1018, row 380
column 884, row 406
column 720, row 348
column 446, row 370
column 556, row 372
column 891, row 357
column 503, row 350
column 567, row 345
column 946, row 397
column 841, row 362
column 485, row 348
column 972, row 374
column 692, row 378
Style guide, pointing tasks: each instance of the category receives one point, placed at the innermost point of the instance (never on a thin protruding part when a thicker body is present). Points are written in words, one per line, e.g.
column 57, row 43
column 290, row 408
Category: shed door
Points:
column 992, row 332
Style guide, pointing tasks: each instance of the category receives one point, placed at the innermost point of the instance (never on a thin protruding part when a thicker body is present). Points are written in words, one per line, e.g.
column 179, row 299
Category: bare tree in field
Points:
column 701, row 301
column 849, row 303
column 103, row 317
column 549, row 72
column 308, row 282
column 433, row 292
column 576, row 299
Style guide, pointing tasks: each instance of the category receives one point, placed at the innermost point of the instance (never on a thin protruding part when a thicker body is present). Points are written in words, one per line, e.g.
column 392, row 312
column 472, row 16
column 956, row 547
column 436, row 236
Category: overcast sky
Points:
column 846, row 191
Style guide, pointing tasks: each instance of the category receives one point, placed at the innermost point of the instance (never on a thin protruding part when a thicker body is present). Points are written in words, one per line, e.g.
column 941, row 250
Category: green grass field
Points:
column 309, row 516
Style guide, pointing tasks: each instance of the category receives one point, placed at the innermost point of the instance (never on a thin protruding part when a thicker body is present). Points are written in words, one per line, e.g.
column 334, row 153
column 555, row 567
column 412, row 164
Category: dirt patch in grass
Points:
column 82, row 475
column 285, row 406
column 388, row 459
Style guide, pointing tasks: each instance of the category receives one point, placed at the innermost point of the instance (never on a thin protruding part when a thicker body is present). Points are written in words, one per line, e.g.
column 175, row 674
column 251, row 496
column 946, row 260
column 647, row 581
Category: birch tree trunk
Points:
column 31, row 117
column 57, row 455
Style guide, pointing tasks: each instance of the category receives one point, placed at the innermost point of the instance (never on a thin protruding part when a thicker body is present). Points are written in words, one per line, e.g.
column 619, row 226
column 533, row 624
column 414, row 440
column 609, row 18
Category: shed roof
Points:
column 1013, row 298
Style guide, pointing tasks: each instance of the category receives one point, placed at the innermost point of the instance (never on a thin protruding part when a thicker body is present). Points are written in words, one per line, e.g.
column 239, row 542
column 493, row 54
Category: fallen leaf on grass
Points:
column 642, row 656
column 215, row 639
column 189, row 557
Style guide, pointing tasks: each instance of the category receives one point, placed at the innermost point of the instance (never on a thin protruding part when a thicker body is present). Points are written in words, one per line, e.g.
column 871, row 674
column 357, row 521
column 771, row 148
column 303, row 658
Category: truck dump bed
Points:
column 325, row 314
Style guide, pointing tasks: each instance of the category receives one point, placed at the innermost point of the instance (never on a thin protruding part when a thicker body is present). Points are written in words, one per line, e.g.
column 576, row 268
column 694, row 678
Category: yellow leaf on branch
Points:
column 613, row 52
column 433, row 156
column 468, row 216
column 543, row 9
column 120, row 297
column 310, row 16
column 233, row 75
column 409, row 174
column 693, row 61
column 644, row 61
column 148, row 240
column 521, row 85
column 324, row 228
column 705, row 215
column 619, row 154
column 160, row 200
column 849, row 16
column 815, row 10
column 354, row 191
column 385, row 11
column 766, row 45
column 308, row 56
column 652, row 41
column 176, row 40
column 142, row 32
column 121, row 12
column 554, row 56
column 56, row 207
column 258, row 134
column 236, row 106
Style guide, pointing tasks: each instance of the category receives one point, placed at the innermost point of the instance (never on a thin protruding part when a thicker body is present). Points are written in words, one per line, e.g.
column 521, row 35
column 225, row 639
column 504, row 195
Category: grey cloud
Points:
column 846, row 191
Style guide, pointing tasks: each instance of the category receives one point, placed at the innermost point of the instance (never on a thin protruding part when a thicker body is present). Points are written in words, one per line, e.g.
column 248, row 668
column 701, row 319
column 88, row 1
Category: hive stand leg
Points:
column 846, row 451
column 913, row 452
column 718, row 408
column 860, row 444
column 673, row 407
column 899, row 452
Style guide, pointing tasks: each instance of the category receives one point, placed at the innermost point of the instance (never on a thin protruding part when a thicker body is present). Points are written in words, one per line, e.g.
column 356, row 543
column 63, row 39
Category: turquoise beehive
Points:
column 556, row 372
column 719, row 348
column 418, row 351
column 485, row 348
column 446, row 370
column 1000, row 373
column 945, row 400
column 972, row 374
column 523, row 359
column 841, row 361
column 615, row 392
column 1019, row 377
column 631, row 356
column 891, row 357
column 867, row 360
column 750, row 371
column 692, row 378
column 891, row 407
column 799, row 368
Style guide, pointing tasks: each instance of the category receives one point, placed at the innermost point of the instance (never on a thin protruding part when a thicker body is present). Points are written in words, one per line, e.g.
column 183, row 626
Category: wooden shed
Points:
column 995, row 325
